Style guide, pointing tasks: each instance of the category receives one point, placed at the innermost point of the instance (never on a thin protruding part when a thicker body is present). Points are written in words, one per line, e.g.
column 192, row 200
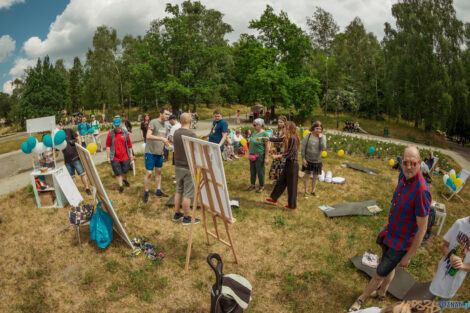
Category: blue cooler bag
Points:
column 101, row 227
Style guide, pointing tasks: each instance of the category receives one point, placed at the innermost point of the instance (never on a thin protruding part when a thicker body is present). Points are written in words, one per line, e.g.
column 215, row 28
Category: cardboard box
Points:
column 46, row 198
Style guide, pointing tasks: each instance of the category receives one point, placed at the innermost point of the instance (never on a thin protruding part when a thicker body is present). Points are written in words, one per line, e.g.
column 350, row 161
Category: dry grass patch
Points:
column 296, row 261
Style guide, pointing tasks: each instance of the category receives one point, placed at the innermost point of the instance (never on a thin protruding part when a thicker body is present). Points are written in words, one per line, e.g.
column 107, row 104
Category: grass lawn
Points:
column 15, row 144
column 296, row 261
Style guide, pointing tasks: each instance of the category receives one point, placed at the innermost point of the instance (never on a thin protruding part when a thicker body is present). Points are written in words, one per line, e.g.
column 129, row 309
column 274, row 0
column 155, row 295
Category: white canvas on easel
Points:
column 42, row 124
column 207, row 170
column 67, row 186
column 101, row 195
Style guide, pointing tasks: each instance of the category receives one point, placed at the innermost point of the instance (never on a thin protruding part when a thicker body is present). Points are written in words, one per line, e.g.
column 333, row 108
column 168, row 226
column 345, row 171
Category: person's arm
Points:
column 322, row 142
column 152, row 137
column 77, row 137
column 418, row 238
column 224, row 136
column 108, row 148
column 266, row 153
column 129, row 144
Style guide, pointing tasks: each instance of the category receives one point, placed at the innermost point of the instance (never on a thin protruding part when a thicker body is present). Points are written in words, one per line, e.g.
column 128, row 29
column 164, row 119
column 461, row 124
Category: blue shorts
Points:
column 75, row 166
column 153, row 160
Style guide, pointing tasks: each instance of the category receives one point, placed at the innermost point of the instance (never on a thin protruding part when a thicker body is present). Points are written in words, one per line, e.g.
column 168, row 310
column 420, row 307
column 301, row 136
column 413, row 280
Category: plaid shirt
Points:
column 411, row 198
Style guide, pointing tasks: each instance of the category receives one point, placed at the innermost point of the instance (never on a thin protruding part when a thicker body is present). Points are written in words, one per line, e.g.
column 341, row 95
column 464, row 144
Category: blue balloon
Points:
column 449, row 182
column 31, row 142
column 59, row 137
column 25, row 148
column 371, row 150
column 91, row 131
column 47, row 141
column 269, row 132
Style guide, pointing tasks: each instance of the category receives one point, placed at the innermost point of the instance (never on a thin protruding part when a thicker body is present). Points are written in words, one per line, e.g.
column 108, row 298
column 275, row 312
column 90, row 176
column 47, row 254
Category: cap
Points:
column 93, row 115
column 117, row 122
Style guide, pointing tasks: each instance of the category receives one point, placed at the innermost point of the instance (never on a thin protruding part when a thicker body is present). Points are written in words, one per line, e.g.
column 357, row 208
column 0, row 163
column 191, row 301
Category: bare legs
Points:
column 186, row 203
column 148, row 174
column 314, row 182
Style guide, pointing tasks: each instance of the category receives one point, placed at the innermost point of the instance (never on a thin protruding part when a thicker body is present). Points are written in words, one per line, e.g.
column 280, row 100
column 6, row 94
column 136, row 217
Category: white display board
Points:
column 67, row 186
column 101, row 194
column 215, row 163
column 42, row 124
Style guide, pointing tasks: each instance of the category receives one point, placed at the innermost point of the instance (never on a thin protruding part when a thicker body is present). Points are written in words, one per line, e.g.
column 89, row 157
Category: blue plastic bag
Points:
column 101, row 227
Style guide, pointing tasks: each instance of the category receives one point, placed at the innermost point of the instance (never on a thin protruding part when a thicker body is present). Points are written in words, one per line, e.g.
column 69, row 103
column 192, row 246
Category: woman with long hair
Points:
column 312, row 146
column 290, row 174
column 144, row 126
column 278, row 164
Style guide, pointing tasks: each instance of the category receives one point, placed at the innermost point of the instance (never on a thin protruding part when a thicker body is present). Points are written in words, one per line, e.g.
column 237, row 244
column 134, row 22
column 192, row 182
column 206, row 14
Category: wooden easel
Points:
column 205, row 177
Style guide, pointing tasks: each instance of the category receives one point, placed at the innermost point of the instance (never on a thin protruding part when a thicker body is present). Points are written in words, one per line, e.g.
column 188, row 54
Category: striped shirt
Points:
column 291, row 151
column 411, row 199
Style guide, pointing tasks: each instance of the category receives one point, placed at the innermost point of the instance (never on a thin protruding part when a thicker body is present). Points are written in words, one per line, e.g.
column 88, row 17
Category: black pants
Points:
column 288, row 178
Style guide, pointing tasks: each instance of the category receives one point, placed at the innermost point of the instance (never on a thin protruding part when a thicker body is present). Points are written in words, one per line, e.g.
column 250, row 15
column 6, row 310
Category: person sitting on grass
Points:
column 312, row 146
column 290, row 173
column 455, row 262
column 184, row 180
column 229, row 151
column 237, row 138
column 119, row 153
column 406, row 227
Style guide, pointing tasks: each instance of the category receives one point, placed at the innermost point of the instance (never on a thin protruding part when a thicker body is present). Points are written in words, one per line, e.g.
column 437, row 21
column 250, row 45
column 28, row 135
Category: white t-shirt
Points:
column 370, row 310
column 237, row 138
column 443, row 285
column 173, row 129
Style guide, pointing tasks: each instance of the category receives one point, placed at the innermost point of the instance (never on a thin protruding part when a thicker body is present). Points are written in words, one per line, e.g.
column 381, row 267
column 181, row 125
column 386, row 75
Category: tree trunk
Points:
column 273, row 111
column 326, row 85
column 194, row 107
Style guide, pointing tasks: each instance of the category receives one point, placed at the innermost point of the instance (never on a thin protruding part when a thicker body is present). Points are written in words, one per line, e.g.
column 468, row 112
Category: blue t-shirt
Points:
column 218, row 127
column 83, row 128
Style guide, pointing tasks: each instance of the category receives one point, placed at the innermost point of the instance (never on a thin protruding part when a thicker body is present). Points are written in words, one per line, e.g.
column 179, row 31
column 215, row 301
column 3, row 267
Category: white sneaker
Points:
column 328, row 177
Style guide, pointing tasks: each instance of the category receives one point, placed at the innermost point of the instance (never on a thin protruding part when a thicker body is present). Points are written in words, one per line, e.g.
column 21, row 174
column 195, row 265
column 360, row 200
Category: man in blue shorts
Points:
column 219, row 130
column 157, row 134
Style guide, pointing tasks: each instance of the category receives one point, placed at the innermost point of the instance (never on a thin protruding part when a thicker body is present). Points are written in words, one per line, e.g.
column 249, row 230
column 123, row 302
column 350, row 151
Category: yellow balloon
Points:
column 458, row 182
column 341, row 152
column 243, row 142
column 92, row 147
column 324, row 154
column 306, row 132
column 391, row 162
column 454, row 177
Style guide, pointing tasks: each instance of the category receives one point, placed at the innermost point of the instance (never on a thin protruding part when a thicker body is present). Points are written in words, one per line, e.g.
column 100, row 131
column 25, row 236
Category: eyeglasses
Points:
column 412, row 163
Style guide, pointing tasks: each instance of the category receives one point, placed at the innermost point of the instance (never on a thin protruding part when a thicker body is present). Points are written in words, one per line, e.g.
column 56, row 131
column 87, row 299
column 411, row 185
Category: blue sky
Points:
column 64, row 29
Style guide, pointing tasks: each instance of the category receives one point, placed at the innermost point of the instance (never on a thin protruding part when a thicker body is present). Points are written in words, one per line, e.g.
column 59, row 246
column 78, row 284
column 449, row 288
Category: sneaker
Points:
column 288, row 207
column 271, row 201
column 306, row 195
column 177, row 217
column 146, row 197
column 161, row 194
column 121, row 189
column 187, row 221
column 126, row 183
column 88, row 191
column 313, row 193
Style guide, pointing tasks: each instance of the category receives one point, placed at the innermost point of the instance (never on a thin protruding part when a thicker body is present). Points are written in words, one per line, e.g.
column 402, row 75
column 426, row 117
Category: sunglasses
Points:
column 412, row 163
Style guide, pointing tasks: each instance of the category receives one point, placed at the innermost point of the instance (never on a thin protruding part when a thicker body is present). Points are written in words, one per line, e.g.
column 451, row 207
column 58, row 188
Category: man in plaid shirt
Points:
column 404, row 232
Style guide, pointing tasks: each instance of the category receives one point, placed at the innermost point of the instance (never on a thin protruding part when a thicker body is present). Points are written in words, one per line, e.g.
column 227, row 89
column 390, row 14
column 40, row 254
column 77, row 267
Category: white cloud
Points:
column 21, row 64
column 7, row 46
column 7, row 87
column 6, row 4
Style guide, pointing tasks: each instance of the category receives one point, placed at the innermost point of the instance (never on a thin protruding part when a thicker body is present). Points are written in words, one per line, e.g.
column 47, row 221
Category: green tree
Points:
column 75, row 85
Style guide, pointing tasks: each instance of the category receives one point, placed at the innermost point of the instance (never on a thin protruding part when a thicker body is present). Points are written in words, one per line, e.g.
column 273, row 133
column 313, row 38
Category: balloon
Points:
column 324, row 154
column 143, row 146
column 449, row 182
column 269, row 132
column 32, row 142
column 453, row 176
column 91, row 131
column 59, row 137
column 25, row 148
column 341, row 152
column 92, row 147
column 47, row 140
column 306, row 132
column 243, row 142
column 452, row 172
column 391, row 162
column 371, row 150
column 458, row 182
column 445, row 177
column 62, row 146
column 40, row 148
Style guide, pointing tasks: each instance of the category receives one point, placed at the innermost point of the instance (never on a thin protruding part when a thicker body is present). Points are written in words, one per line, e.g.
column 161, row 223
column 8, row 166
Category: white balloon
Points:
column 40, row 148
column 62, row 146
column 452, row 172
column 445, row 177
column 143, row 146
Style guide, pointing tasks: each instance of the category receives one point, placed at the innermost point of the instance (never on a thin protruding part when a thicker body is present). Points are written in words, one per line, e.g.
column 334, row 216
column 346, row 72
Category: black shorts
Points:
column 120, row 167
column 390, row 259
column 314, row 168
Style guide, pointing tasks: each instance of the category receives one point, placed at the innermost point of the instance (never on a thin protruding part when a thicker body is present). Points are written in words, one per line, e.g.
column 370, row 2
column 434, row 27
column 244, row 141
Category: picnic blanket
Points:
column 351, row 208
column 403, row 285
column 357, row 167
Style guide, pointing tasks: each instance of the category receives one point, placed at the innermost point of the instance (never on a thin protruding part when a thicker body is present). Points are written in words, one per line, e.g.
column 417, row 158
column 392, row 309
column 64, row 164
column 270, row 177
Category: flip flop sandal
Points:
column 252, row 187
column 376, row 295
column 358, row 301
column 260, row 190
